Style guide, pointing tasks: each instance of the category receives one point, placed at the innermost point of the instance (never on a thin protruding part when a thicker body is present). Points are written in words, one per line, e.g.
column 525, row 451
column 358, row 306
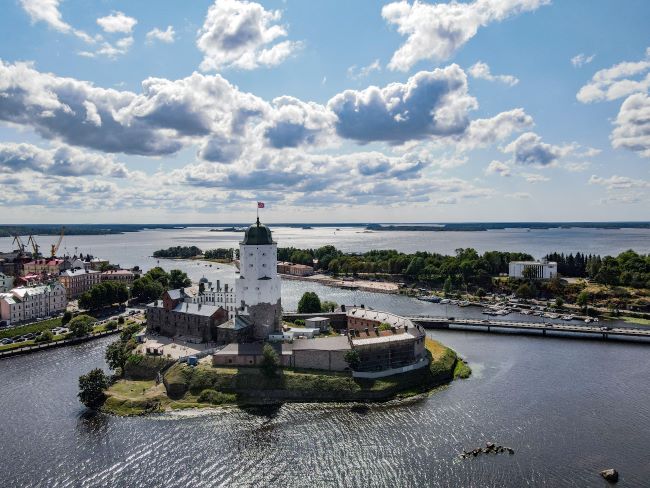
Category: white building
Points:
column 216, row 295
column 6, row 282
column 538, row 270
column 28, row 303
column 258, row 286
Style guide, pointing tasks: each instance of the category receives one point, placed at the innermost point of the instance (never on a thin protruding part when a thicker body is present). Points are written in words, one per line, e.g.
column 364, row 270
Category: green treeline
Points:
column 184, row 252
column 628, row 268
column 187, row 252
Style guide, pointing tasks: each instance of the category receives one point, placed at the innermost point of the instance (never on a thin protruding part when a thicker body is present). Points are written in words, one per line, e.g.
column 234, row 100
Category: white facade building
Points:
column 216, row 295
column 258, row 286
column 28, row 303
column 6, row 282
column 539, row 270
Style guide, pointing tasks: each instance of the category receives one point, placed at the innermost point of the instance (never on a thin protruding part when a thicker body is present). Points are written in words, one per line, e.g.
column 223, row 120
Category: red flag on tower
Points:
column 260, row 204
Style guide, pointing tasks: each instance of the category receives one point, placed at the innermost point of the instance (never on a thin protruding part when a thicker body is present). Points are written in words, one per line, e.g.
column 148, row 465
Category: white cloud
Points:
column 167, row 36
column 241, row 34
column 534, row 178
column 47, row 11
column 431, row 103
column 117, row 22
column 356, row 73
column 481, row 70
column 632, row 125
column 528, row 149
column 436, row 31
column 61, row 160
column 612, row 83
column 499, row 168
column 581, row 59
column 617, row 182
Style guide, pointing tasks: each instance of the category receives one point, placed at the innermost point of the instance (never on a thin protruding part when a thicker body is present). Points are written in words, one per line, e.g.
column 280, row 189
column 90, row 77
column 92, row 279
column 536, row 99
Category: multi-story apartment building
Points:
column 122, row 275
column 38, row 266
column 29, row 303
column 6, row 282
column 78, row 281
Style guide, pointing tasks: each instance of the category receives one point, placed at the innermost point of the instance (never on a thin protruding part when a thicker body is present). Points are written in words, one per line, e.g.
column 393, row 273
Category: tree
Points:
column 529, row 273
column 480, row 293
column 328, row 306
column 447, row 286
column 270, row 360
column 67, row 316
column 583, row 299
column 147, row 289
column 526, row 290
column 45, row 336
column 353, row 359
column 91, row 388
column 81, row 325
column 178, row 279
column 385, row 326
column 309, row 303
column 103, row 295
column 559, row 302
column 116, row 355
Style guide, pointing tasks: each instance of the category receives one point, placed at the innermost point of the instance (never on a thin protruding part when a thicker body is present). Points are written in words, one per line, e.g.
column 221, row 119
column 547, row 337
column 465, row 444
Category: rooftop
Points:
column 257, row 235
column 322, row 344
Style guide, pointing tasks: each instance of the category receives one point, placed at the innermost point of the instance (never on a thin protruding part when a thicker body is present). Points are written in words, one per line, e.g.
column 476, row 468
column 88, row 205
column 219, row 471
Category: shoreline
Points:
column 204, row 386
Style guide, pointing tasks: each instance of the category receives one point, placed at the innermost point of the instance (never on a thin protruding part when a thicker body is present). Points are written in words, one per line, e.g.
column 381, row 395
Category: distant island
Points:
column 483, row 226
column 104, row 229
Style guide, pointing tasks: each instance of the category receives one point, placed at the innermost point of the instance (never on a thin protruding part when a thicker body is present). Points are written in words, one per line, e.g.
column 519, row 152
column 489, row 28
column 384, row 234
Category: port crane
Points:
column 35, row 247
column 19, row 243
column 55, row 247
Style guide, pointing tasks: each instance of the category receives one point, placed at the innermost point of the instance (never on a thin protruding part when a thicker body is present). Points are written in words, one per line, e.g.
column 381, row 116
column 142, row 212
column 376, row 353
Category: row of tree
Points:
column 103, row 295
column 629, row 268
column 156, row 281
column 184, row 252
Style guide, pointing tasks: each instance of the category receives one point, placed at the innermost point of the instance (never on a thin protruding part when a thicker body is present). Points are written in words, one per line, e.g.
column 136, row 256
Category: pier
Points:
column 534, row 328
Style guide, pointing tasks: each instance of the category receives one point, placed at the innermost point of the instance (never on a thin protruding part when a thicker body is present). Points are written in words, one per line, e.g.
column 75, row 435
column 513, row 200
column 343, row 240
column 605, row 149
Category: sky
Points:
column 327, row 111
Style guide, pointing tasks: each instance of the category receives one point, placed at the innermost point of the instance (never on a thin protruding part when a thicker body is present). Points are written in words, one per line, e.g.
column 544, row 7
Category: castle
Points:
column 252, row 312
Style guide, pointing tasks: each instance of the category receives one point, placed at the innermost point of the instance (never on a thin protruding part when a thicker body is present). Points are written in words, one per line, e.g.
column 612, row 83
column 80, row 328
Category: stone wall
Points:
column 266, row 318
column 317, row 359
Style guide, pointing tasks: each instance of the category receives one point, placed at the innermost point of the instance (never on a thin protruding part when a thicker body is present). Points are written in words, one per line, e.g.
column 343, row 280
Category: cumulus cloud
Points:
column 528, row 149
column 60, row 160
column 436, row 31
column 483, row 132
column 167, row 36
column 241, row 34
column 534, row 178
column 47, row 11
column 481, row 71
column 612, row 83
column 434, row 103
column 632, row 125
column 499, row 168
column 117, row 22
column 356, row 73
column 581, row 59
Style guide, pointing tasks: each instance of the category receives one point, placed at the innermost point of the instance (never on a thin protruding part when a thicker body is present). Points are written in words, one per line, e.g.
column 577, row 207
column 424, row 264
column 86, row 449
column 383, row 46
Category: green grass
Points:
column 462, row 370
column 635, row 320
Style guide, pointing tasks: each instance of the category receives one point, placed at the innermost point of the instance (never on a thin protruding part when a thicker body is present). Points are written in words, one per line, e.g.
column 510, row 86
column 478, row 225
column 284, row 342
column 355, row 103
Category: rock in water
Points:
column 610, row 475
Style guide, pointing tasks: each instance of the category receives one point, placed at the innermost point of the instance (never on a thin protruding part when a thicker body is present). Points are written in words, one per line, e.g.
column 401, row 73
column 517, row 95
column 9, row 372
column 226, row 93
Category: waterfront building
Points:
column 173, row 316
column 258, row 286
column 78, row 281
column 385, row 341
column 29, row 303
column 537, row 270
column 6, row 282
column 295, row 269
column 322, row 323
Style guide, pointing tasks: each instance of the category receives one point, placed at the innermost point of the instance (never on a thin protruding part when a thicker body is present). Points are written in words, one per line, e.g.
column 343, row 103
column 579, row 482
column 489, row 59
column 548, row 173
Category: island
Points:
column 154, row 385
column 234, row 345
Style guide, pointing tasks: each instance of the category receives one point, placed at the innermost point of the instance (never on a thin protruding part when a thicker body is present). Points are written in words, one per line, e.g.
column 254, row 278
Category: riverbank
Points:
column 202, row 386
column 348, row 283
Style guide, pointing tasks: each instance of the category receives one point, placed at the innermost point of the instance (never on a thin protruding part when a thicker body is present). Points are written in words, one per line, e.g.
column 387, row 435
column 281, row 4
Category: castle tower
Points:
column 258, row 286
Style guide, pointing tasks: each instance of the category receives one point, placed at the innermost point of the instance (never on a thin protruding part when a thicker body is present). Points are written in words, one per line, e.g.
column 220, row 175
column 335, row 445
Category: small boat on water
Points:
column 567, row 317
column 464, row 303
column 430, row 298
column 445, row 301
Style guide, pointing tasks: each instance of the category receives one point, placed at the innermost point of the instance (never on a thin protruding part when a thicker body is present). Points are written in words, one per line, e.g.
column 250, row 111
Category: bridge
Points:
column 537, row 328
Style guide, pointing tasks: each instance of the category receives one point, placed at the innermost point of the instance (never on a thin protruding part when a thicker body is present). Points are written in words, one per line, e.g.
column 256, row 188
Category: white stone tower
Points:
column 258, row 286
